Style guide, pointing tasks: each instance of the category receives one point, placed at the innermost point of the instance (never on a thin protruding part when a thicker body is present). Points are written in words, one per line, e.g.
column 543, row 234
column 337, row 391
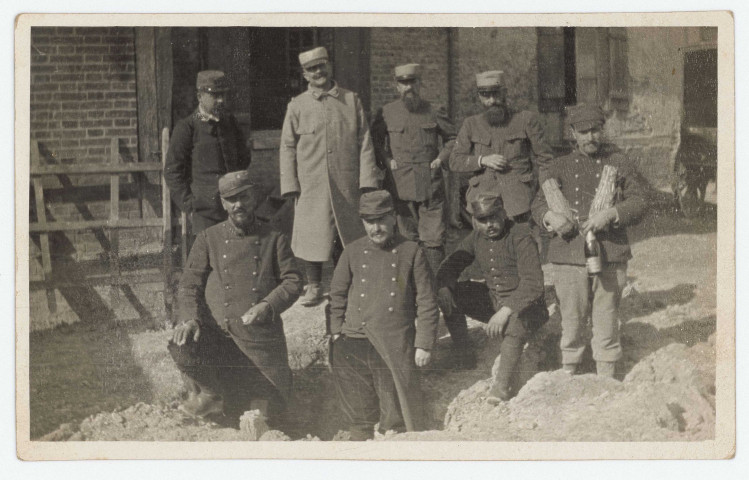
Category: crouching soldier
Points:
column 259, row 279
column 511, row 301
column 381, row 285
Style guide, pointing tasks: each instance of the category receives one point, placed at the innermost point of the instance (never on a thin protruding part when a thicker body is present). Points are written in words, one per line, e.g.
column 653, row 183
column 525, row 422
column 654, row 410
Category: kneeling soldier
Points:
column 381, row 284
column 259, row 279
column 511, row 300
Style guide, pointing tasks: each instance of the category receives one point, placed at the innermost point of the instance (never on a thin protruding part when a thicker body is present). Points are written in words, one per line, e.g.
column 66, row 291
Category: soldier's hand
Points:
column 257, row 314
column 446, row 301
column 436, row 163
column 189, row 329
column 496, row 326
column 559, row 223
column 422, row 357
column 393, row 164
column 599, row 221
column 494, row 161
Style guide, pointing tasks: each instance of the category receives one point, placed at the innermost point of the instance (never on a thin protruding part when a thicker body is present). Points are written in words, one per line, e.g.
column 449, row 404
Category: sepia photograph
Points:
column 488, row 237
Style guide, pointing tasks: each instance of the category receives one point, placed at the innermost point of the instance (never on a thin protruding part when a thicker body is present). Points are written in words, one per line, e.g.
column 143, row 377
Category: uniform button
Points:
column 576, row 175
column 363, row 280
column 362, row 294
column 577, row 160
column 577, row 203
column 224, row 256
column 226, row 270
column 226, row 287
column 493, row 269
column 577, row 189
column 491, row 249
column 598, row 175
column 226, row 304
column 393, row 278
column 330, row 151
column 392, row 294
column 255, row 257
column 227, row 241
column 254, row 273
column 363, row 324
column 395, row 250
column 252, row 304
column 254, row 289
column 598, row 162
column 366, row 251
column 257, row 242
column 390, row 309
column 392, row 265
column 364, row 266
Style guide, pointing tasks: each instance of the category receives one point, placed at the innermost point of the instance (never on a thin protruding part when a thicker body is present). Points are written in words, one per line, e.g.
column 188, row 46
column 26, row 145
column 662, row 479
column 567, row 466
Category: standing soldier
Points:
column 259, row 280
column 497, row 146
column 326, row 159
column 578, row 176
column 511, row 298
column 405, row 135
column 203, row 147
column 381, row 285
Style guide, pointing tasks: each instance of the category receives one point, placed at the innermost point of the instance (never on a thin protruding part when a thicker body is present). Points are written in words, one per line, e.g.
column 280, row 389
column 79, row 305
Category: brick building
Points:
column 89, row 85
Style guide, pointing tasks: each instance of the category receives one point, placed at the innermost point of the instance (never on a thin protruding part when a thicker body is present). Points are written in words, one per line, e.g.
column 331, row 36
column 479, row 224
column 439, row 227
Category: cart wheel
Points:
column 687, row 191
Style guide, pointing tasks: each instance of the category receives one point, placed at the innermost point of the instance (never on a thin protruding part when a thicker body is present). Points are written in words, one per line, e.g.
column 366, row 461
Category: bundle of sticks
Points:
column 603, row 199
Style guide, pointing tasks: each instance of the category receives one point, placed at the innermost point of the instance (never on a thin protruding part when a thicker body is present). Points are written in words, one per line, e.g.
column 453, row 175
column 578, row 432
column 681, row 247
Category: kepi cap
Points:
column 486, row 205
column 585, row 117
column 313, row 57
column 375, row 204
column 234, row 182
column 408, row 71
column 212, row 81
column 490, row 80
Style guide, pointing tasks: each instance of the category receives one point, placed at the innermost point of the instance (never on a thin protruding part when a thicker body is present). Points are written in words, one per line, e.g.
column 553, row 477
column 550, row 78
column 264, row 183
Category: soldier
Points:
column 511, row 301
column 578, row 175
column 405, row 135
column 381, row 285
column 497, row 145
column 203, row 147
column 326, row 159
column 259, row 280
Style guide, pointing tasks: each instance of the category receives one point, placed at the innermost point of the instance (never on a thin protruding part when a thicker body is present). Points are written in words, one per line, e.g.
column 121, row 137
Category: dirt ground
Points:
column 103, row 382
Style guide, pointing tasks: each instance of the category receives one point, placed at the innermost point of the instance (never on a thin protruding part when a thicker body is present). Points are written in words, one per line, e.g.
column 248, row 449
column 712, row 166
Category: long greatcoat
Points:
column 388, row 294
column 326, row 157
column 251, row 267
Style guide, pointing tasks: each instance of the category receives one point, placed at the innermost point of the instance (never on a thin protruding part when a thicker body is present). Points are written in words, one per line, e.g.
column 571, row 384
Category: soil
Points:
column 108, row 382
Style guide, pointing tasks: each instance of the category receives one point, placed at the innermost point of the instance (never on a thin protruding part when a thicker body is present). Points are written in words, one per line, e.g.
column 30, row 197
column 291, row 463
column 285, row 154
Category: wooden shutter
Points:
column 619, row 74
column 550, row 53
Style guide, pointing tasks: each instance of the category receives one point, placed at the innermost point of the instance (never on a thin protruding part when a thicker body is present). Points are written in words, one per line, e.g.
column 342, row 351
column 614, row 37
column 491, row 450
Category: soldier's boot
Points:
column 464, row 358
column 434, row 255
column 510, row 351
column 202, row 400
column 313, row 295
column 606, row 369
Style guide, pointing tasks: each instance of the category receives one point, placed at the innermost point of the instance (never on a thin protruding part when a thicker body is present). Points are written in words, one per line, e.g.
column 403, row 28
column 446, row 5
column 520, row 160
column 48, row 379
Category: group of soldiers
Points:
column 373, row 202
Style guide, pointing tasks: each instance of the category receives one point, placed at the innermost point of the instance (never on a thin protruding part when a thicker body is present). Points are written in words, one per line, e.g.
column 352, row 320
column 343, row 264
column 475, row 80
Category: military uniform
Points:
column 413, row 140
column 253, row 266
column 513, row 278
column 377, row 293
column 520, row 140
column 202, row 149
column 578, row 176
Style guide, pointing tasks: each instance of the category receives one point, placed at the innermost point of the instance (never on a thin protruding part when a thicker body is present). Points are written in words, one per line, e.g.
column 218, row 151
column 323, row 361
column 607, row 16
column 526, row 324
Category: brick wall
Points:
column 396, row 46
column 83, row 94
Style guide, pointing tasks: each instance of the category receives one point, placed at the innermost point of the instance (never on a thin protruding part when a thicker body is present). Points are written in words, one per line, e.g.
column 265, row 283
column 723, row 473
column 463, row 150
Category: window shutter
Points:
column 550, row 52
column 619, row 76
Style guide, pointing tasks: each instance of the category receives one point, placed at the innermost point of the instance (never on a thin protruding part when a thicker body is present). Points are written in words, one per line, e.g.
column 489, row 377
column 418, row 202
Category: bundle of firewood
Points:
column 603, row 199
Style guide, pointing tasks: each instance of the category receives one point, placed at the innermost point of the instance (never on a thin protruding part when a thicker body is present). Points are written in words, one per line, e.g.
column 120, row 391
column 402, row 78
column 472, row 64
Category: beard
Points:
column 412, row 102
column 495, row 115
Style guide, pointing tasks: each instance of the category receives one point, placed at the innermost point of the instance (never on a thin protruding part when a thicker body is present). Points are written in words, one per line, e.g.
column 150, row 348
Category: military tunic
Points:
column 413, row 140
column 387, row 296
column 252, row 267
column 521, row 141
column 201, row 151
column 326, row 157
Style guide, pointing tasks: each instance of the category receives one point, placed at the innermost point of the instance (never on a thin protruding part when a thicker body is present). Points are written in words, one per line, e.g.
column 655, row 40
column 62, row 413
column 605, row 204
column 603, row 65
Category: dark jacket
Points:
column 411, row 139
column 521, row 141
column 201, row 151
column 251, row 267
column 579, row 176
column 510, row 265
column 388, row 294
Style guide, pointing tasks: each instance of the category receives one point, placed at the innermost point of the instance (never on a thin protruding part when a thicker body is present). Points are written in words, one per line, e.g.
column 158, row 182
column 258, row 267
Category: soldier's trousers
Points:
column 215, row 362
column 582, row 297
column 424, row 222
column 365, row 387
